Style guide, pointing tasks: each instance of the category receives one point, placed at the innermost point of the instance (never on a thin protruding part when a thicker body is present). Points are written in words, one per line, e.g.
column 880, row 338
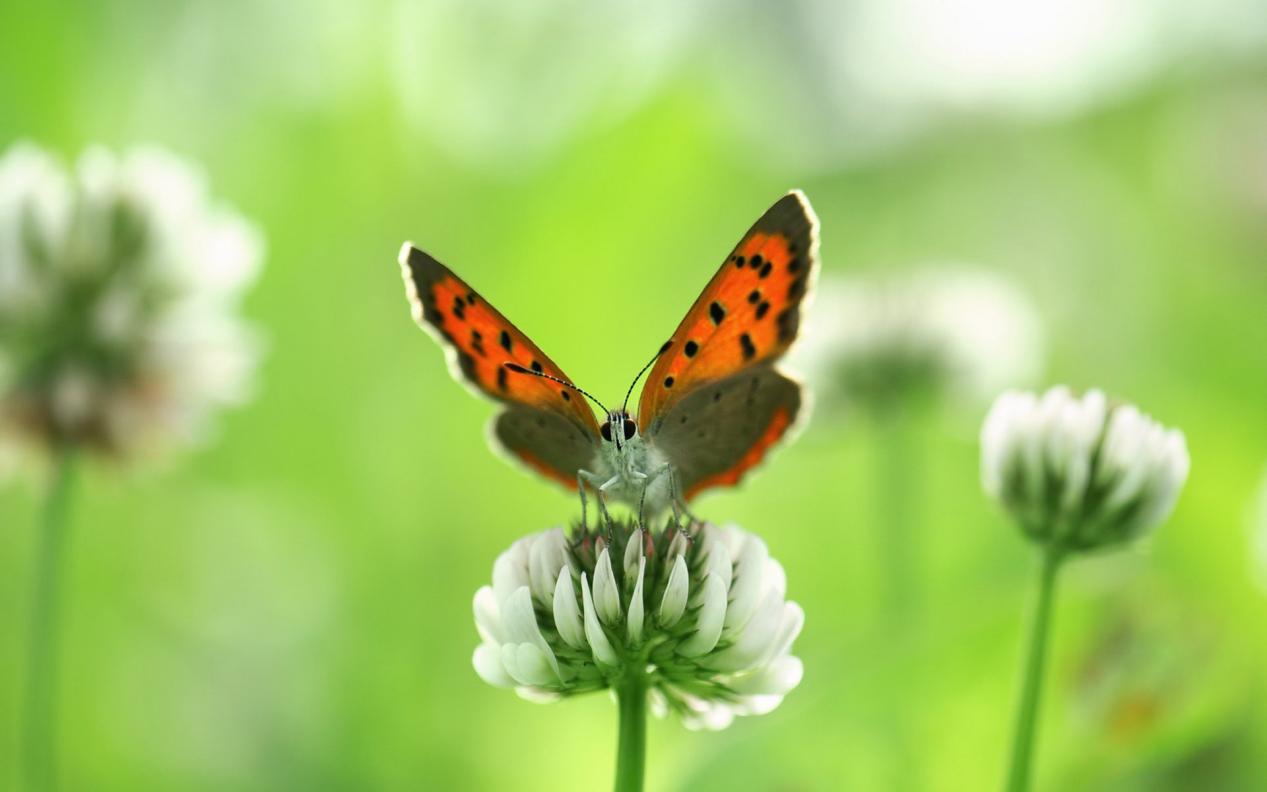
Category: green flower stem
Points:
column 899, row 475
column 40, row 725
column 1018, row 779
column 631, row 748
column 898, row 487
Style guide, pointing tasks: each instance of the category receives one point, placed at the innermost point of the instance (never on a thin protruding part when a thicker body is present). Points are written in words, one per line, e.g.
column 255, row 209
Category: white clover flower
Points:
column 706, row 620
column 1080, row 473
column 119, row 285
column 879, row 343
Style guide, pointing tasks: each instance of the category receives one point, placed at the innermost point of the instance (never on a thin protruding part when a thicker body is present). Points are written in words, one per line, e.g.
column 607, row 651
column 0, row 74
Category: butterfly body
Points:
column 711, row 408
column 628, row 468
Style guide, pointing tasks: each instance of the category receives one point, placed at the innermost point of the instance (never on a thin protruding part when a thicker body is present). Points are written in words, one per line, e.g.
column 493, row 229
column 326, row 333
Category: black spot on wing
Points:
column 504, row 340
column 501, row 378
column 762, row 310
column 747, row 347
column 690, row 349
column 765, row 270
column 536, row 366
column 754, row 296
column 717, row 312
column 668, row 382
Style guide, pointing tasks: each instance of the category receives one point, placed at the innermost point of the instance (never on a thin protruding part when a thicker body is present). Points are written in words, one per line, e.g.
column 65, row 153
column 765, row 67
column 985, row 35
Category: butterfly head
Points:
column 618, row 428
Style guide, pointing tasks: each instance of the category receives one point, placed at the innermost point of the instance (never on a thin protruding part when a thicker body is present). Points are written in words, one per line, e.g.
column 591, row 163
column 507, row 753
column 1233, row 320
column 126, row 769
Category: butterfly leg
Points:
column 584, row 477
column 581, row 481
column 602, row 501
column 675, row 496
column 648, row 480
column 642, row 499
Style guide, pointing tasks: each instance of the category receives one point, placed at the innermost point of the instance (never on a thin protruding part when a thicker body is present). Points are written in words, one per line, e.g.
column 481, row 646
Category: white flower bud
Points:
column 567, row 615
column 749, row 582
column 606, row 594
column 636, row 607
column 546, row 555
column 711, row 617
column 1076, row 473
column 633, row 554
column 673, row 603
column 602, row 648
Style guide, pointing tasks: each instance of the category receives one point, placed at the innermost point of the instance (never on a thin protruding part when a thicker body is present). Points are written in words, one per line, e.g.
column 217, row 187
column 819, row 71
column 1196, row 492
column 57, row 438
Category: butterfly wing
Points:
column 717, row 433
column 744, row 321
column 545, row 442
column 547, row 426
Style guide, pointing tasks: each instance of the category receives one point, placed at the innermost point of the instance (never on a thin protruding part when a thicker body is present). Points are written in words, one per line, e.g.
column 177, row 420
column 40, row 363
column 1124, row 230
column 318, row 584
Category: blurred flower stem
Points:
column 899, row 474
column 1018, row 777
column 631, row 747
column 898, row 487
column 40, row 739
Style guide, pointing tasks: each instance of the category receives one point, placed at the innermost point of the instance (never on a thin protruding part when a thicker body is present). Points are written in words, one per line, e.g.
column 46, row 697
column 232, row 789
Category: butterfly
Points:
column 713, row 406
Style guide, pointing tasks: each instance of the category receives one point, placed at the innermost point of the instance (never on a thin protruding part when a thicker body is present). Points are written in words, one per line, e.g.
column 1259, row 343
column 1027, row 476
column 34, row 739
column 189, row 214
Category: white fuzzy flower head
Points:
column 705, row 620
column 882, row 343
column 1079, row 473
column 119, row 284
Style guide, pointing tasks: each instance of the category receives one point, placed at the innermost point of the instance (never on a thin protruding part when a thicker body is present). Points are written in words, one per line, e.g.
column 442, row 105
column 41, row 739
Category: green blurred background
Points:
column 290, row 607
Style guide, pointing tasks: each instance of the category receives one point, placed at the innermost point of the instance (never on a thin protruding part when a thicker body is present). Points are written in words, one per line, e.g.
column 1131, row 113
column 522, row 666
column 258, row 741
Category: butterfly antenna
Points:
column 518, row 369
column 629, row 392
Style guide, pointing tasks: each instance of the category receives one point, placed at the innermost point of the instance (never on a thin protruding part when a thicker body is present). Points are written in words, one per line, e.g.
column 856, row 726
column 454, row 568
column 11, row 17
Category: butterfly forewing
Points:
column 480, row 342
column 749, row 313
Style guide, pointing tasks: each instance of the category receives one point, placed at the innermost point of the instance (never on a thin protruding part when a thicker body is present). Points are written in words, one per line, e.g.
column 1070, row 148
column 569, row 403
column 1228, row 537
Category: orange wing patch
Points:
column 748, row 313
column 480, row 341
column 779, row 424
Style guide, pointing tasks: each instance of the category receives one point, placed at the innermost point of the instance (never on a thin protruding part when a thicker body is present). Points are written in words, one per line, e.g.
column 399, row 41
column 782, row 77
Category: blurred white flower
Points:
column 1078, row 474
column 119, row 285
column 705, row 620
column 879, row 342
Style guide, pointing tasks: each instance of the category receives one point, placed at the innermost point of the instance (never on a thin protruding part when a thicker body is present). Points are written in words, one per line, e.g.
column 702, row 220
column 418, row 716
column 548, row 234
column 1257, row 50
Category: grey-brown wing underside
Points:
column 721, row 430
column 545, row 441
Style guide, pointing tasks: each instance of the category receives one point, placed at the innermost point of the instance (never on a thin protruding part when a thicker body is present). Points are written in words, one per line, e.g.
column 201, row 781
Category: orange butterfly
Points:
column 713, row 406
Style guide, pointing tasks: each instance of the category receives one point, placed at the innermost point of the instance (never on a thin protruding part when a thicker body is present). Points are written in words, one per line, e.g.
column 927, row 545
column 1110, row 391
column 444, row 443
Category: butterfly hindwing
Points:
column 545, row 442
column 480, row 342
column 716, row 433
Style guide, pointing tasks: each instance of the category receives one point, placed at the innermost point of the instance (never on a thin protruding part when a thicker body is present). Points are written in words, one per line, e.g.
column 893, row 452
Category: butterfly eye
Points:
column 606, row 431
column 631, row 429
